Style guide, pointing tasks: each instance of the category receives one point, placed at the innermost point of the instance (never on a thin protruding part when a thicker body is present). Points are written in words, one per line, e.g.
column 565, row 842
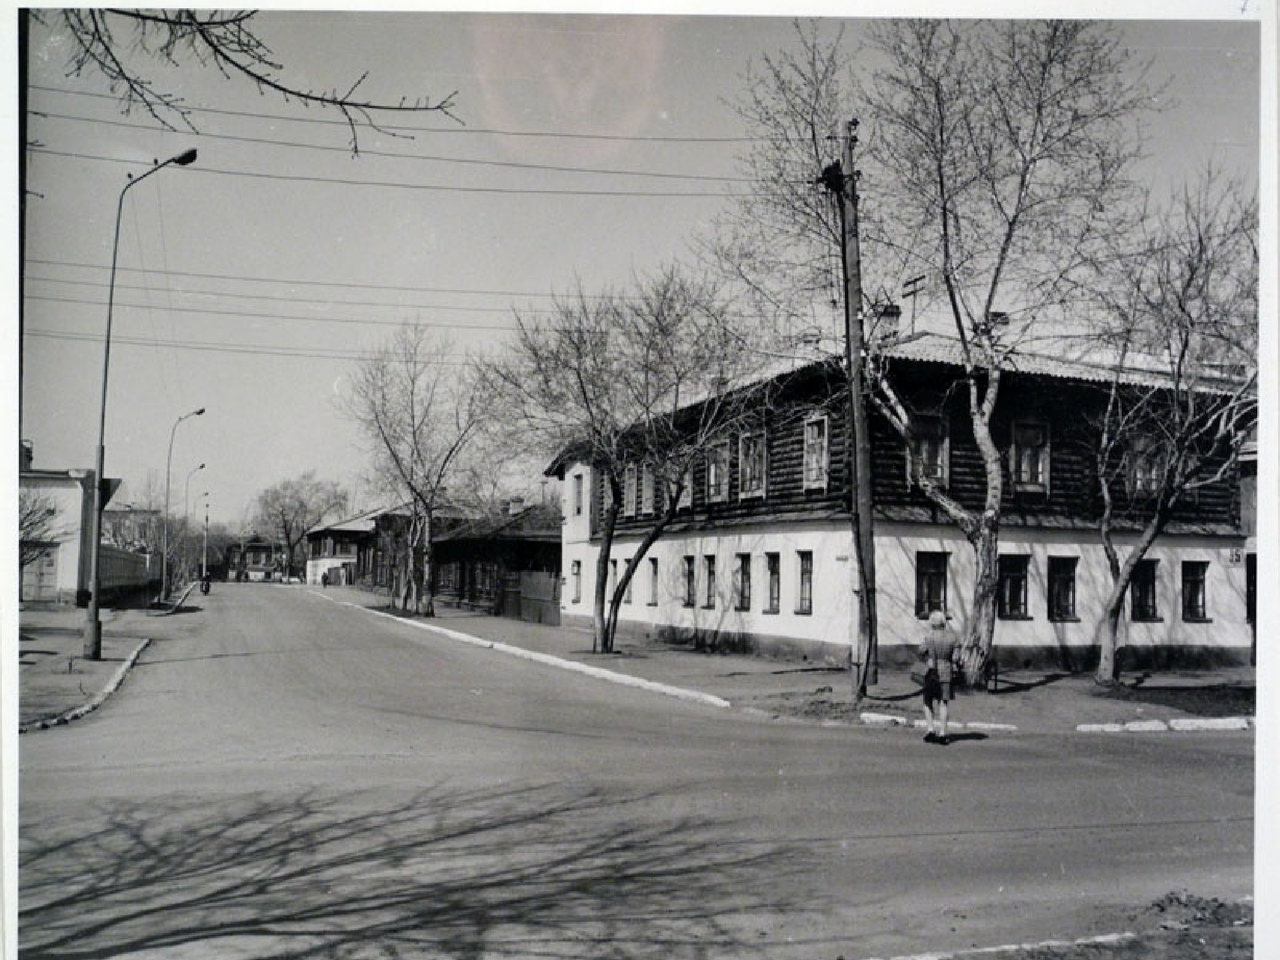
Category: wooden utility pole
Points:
column 845, row 187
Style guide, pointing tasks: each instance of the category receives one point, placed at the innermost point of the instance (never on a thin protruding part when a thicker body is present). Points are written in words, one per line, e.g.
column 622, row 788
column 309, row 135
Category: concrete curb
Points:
column 599, row 673
column 1106, row 939
column 98, row 699
column 1180, row 724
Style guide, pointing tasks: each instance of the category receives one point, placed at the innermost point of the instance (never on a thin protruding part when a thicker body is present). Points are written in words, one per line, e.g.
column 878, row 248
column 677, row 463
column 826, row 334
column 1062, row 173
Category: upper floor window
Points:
column 685, row 499
column 629, row 484
column 718, row 472
column 930, row 449
column 577, row 494
column 751, row 465
column 1142, row 591
column 1030, row 456
column 1011, row 596
column 646, row 489
column 816, row 457
column 1145, row 466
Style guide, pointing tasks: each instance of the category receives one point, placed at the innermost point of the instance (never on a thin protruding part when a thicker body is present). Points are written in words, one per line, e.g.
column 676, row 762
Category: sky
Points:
column 253, row 282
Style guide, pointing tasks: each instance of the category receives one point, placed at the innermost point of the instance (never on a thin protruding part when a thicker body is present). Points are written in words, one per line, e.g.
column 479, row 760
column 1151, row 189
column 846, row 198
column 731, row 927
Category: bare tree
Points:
column 116, row 43
column 38, row 526
column 292, row 507
column 420, row 413
column 996, row 168
column 635, row 382
column 1183, row 306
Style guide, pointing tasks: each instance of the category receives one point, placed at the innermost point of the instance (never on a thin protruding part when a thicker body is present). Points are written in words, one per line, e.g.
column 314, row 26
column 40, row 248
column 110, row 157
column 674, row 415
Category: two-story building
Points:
column 760, row 553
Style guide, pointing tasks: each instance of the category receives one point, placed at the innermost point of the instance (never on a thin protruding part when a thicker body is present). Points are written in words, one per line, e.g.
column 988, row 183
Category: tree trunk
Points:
column 601, row 634
column 1108, row 672
column 428, row 564
column 980, row 633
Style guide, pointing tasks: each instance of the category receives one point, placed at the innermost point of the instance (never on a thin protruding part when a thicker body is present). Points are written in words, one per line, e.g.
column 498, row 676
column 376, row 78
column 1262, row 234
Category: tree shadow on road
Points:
column 530, row 872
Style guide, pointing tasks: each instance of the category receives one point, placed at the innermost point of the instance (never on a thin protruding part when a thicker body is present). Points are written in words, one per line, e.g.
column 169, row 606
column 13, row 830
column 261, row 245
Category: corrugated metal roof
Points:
column 1092, row 362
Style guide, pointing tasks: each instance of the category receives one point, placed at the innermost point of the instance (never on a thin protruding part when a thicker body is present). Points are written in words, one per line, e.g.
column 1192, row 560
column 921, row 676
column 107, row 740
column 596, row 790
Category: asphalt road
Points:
column 285, row 777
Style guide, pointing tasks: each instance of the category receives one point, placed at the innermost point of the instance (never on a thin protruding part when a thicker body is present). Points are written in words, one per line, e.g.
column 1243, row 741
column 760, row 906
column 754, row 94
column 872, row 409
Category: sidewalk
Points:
column 57, row 681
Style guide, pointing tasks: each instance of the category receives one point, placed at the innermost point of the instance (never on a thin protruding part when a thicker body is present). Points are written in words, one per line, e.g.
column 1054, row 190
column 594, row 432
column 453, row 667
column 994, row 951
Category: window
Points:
column 718, row 472
column 626, row 594
column 1145, row 467
column 931, row 583
column 742, row 583
column 930, row 450
column 629, row 492
column 773, row 572
column 577, row 494
column 804, row 596
column 1062, row 588
column 709, row 566
column 613, row 577
column 815, row 453
column 1195, row 573
column 576, row 567
column 1142, row 591
column 751, row 465
column 653, row 581
column 690, row 583
column 685, row 500
column 1011, row 598
column 646, row 490
column 1031, row 456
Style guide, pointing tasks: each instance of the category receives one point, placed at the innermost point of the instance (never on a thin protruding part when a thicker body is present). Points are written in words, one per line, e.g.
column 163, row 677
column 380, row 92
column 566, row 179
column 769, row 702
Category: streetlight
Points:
column 204, row 554
column 93, row 623
column 186, row 521
column 164, row 556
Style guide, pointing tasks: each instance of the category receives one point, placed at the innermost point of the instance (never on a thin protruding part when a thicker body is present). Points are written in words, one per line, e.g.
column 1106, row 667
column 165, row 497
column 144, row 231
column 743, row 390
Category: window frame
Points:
column 804, row 583
column 709, row 588
column 575, row 576
column 653, row 581
column 578, row 494
column 773, row 578
column 1061, row 570
column 1019, row 462
column 716, row 462
column 816, row 459
column 690, row 598
column 1013, row 573
column 630, row 485
column 1144, row 592
column 930, row 429
column 648, row 494
column 752, row 490
column 1195, row 602
column 927, row 598
column 742, row 582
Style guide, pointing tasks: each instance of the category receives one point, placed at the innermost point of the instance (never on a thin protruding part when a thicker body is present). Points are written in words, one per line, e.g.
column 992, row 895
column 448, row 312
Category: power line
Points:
column 271, row 316
column 428, row 187
column 465, row 161
column 269, row 297
column 226, row 348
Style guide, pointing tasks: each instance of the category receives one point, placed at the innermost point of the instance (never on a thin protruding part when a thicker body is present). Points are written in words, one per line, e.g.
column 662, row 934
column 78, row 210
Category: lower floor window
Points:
column 690, row 582
column 1011, row 598
column 931, row 583
column 1195, row 574
column 773, row 570
column 804, row 599
column 1142, row 591
column 1062, row 588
